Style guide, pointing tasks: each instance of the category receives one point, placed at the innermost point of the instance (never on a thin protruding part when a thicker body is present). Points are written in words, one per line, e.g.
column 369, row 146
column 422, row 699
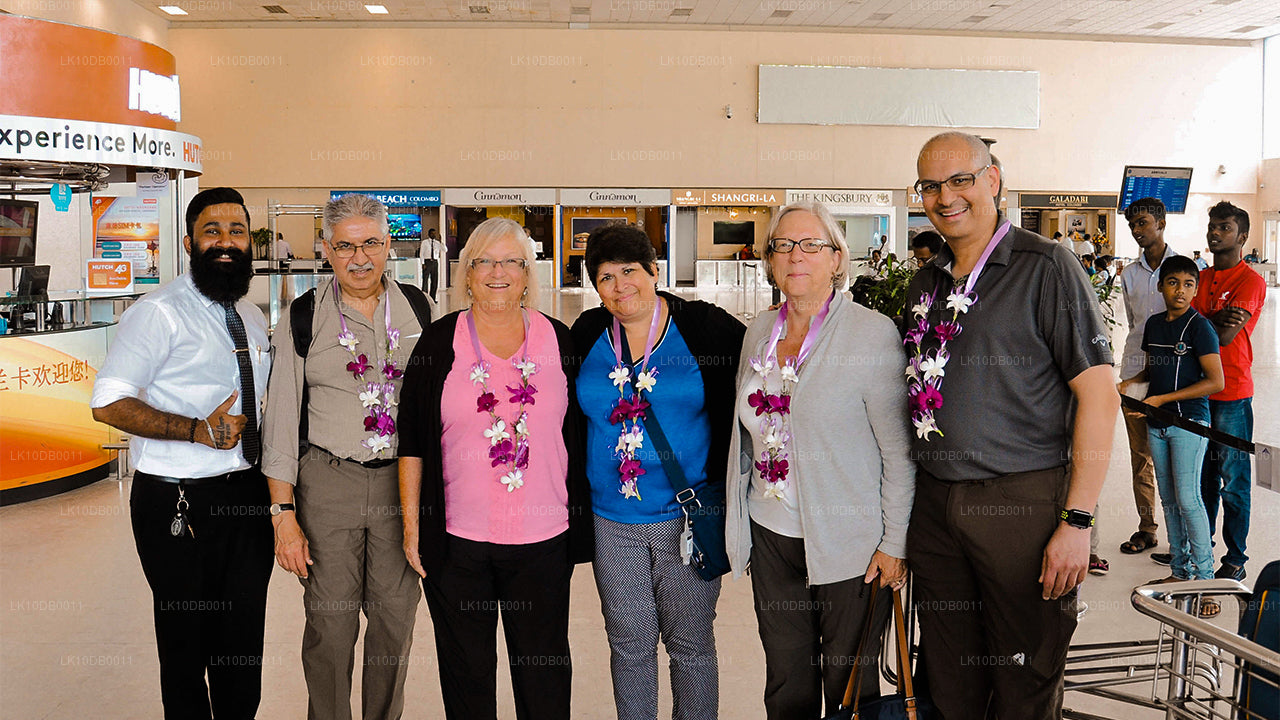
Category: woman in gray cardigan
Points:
column 820, row 490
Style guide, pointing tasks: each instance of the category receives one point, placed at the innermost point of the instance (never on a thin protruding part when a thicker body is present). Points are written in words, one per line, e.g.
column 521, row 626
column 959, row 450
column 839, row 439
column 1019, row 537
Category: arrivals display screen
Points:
column 17, row 233
column 733, row 233
column 1170, row 185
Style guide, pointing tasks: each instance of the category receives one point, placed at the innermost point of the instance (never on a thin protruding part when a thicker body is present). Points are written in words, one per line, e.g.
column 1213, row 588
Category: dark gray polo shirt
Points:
column 1036, row 324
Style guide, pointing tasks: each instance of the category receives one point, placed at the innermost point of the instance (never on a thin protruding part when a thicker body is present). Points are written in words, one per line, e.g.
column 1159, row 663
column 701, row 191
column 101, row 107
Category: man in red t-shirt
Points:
column 1231, row 295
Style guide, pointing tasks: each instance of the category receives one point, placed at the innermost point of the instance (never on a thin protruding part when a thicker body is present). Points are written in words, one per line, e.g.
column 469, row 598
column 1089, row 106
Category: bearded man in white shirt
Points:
column 183, row 377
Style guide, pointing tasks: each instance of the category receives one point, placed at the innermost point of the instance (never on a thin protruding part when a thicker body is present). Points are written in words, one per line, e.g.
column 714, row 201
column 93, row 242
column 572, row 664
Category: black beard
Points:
column 219, row 281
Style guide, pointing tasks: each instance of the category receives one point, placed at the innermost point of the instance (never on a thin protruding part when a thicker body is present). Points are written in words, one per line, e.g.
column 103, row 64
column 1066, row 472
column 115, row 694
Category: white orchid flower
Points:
column 620, row 376
column 761, row 368
column 527, row 368
column 959, row 302
column 920, row 310
column 911, row 372
column 925, row 425
column 629, row 490
column 514, row 480
column 647, row 379
column 634, row 440
column 522, row 425
column 348, row 340
column 498, row 432
column 932, row 367
column 775, row 489
column 371, row 397
column 789, row 373
column 479, row 373
column 377, row 443
column 773, row 439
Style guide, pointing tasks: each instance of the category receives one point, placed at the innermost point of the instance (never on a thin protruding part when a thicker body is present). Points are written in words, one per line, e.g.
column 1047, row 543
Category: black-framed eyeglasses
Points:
column 370, row 247
column 957, row 182
column 486, row 265
column 807, row 245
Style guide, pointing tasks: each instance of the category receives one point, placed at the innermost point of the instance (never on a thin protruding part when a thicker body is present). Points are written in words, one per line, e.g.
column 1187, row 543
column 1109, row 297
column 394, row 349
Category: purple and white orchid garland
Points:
column 504, row 448
column 775, row 427
column 926, row 370
column 378, row 397
column 631, row 437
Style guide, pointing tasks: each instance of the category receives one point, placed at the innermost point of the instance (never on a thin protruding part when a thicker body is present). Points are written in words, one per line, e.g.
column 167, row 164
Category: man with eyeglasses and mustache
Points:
column 1004, row 335
column 330, row 459
column 183, row 377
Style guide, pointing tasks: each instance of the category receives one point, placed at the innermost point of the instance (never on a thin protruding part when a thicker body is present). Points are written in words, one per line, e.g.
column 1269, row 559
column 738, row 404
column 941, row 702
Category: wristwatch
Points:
column 277, row 508
column 1077, row 518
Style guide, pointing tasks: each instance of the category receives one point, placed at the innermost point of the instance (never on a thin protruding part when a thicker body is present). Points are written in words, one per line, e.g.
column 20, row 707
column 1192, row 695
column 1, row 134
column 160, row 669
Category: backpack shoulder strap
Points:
column 418, row 301
column 301, row 312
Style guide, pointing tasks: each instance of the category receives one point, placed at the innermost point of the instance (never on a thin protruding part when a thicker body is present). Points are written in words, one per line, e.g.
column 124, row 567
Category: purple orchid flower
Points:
column 522, row 454
column 758, row 401
column 630, row 469
column 391, row 372
column 522, row 394
column 486, row 402
column 501, row 453
column 386, row 425
column 928, row 399
column 947, row 331
column 358, row 366
column 780, row 404
column 621, row 411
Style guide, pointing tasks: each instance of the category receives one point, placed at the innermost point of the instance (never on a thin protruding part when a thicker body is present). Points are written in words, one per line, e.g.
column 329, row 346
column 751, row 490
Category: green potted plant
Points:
column 261, row 242
column 886, row 290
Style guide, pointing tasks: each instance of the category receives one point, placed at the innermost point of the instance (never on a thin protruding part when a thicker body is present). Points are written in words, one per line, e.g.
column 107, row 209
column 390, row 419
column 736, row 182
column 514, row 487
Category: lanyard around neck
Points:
column 972, row 281
column 810, row 337
column 648, row 345
column 475, row 337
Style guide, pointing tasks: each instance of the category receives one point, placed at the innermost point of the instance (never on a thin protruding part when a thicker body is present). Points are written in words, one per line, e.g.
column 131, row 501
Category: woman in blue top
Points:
column 682, row 356
column 1184, row 367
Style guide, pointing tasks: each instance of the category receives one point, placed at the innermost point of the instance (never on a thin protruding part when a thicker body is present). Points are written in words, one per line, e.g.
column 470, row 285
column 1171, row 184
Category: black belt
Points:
column 225, row 478
column 370, row 464
column 1191, row 426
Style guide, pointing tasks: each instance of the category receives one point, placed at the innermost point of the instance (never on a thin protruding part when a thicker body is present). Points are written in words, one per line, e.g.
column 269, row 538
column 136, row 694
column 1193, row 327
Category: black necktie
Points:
column 249, row 440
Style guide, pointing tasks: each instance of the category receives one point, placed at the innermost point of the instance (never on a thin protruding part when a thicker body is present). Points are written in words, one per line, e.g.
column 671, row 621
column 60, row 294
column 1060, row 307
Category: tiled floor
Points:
column 76, row 636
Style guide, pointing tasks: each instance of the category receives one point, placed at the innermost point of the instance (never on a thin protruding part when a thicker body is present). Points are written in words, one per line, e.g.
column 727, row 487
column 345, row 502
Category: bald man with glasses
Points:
column 1004, row 337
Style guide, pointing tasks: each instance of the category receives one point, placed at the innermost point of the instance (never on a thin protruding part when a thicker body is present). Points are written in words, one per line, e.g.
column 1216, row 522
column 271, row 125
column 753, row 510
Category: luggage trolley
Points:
column 1192, row 669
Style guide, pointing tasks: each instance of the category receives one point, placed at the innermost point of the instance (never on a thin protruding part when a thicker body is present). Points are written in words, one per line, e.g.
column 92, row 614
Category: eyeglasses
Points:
column 807, row 245
column 961, row 181
column 487, row 265
column 370, row 247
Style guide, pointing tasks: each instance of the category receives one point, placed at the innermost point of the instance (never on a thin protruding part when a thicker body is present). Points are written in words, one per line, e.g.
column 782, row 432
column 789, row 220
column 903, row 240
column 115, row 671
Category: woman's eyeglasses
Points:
column 486, row 265
column 807, row 245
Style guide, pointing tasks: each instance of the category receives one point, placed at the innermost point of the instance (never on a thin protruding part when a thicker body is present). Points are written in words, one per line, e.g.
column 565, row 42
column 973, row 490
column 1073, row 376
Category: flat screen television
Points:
column 734, row 233
column 17, row 232
column 1169, row 185
column 404, row 226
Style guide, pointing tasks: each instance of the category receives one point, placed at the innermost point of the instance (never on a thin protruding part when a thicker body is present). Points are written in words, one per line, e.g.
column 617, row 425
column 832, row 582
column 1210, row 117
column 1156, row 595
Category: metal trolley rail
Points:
column 1192, row 669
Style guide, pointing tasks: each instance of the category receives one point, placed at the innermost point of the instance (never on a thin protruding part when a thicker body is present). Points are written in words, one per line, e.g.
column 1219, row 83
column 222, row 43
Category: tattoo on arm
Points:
column 135, row 417
column 222, row 434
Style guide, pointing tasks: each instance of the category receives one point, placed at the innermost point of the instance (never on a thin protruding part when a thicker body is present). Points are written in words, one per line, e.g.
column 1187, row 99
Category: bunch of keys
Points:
column 686, row 541
column 180, row 525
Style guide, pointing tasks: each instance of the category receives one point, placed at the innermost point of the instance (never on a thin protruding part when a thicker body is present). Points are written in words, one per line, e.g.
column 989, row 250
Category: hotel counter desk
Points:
column 49, row 358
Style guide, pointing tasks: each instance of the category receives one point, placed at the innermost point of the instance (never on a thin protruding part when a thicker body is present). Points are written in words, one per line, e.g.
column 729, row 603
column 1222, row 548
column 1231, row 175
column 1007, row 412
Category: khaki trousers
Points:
column 1144, row 472
column 351, row 516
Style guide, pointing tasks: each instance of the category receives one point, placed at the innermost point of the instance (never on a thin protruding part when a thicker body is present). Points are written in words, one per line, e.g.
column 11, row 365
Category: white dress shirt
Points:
column 172, row 351
column 1142, row 299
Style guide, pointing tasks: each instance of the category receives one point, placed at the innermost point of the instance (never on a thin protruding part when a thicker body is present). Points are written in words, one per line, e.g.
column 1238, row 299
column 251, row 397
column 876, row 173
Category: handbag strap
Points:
column 906, row 686
column 670, row 464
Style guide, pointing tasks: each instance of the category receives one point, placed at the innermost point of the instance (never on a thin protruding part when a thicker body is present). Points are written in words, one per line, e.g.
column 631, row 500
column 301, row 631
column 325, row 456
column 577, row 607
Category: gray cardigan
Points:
column 855, row 481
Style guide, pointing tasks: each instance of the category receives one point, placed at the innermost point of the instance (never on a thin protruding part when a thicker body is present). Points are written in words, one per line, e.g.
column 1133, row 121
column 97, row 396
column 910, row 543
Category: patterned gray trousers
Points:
column 647, row 592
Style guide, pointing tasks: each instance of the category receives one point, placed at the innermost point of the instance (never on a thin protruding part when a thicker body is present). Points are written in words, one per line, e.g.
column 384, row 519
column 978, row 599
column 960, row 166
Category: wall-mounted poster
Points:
column 582, row 227
column 1076, row 223
column 128, row 228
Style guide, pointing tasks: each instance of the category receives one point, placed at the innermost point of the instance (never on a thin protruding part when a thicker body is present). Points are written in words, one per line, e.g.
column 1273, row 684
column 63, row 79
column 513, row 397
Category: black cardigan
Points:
column 420, row 428
column 715, row 339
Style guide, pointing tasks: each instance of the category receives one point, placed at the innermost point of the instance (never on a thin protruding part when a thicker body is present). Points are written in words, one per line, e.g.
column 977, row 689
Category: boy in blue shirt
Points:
column 1184, row 368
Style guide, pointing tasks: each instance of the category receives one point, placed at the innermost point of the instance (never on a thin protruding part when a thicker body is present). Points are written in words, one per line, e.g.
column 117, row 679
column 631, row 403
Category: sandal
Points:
column 1209, row 608
column 1098, row 566
column 1138, row 542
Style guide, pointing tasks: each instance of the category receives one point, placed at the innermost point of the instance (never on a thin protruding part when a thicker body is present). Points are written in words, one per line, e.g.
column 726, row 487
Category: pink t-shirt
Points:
column 478, row 505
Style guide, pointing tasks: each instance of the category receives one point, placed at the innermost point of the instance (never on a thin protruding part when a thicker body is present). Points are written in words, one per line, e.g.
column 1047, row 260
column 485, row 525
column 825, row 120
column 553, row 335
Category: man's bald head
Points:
column 957, row 144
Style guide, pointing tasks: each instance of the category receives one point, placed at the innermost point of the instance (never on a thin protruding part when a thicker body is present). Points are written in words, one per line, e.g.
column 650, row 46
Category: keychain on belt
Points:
column 686, row 539
column 181, row 525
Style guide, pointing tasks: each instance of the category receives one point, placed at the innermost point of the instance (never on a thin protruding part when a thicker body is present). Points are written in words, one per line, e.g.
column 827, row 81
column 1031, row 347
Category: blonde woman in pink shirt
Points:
column 495, row 500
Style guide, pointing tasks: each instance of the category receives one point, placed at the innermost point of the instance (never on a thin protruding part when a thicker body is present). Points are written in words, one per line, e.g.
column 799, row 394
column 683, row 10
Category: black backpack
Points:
column 302, row 312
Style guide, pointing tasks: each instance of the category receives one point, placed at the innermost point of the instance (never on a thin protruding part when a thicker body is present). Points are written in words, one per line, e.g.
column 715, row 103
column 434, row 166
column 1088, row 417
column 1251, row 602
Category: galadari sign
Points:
column 1065, row 200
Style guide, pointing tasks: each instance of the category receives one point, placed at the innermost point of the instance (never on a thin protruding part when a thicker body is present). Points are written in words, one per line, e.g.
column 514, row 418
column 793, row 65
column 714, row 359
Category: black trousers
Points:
column 209, row 592
column 810, row 633
column 430, row 280
column 992, row 648
column 529, row 585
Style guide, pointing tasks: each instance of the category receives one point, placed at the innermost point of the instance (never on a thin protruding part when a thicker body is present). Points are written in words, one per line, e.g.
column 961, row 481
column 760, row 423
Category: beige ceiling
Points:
column 1190, row 19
